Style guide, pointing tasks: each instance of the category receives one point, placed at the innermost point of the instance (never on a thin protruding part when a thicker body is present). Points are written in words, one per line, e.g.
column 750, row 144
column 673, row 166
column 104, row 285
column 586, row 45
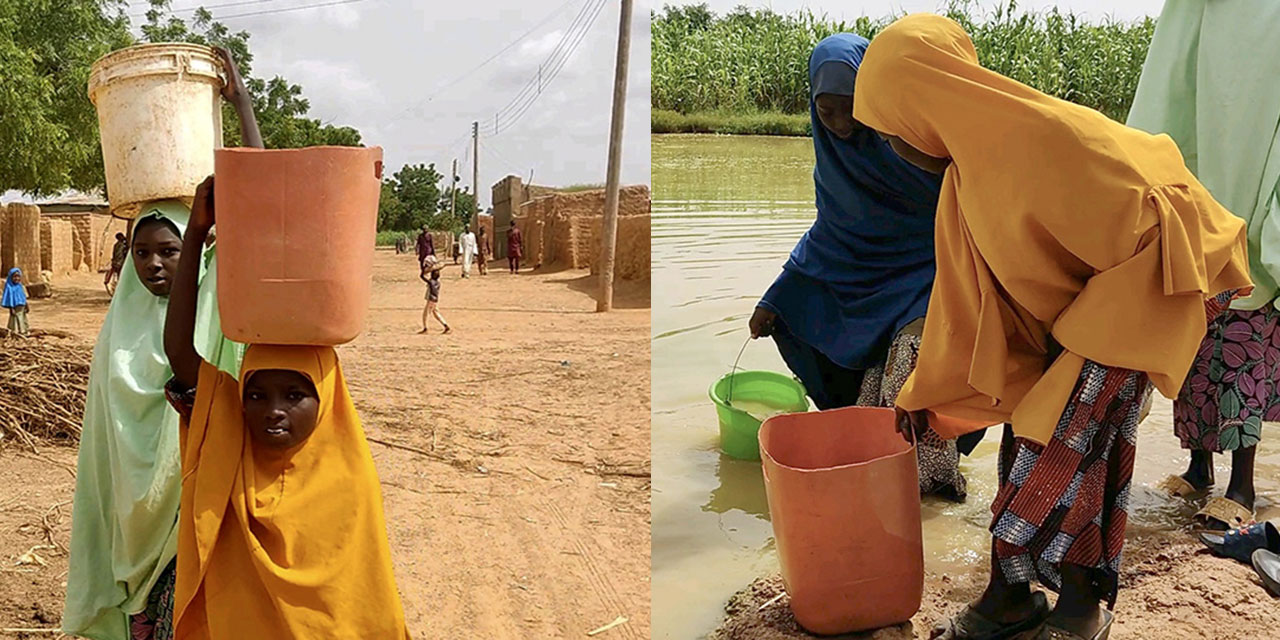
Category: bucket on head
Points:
column 296, row 234
column 159, row 119
column 744, row 398
column 844, row 500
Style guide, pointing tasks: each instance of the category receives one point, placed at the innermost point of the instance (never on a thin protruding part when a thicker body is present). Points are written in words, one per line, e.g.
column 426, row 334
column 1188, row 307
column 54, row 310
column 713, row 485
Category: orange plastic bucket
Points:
column 296, row 232
column 844, row 499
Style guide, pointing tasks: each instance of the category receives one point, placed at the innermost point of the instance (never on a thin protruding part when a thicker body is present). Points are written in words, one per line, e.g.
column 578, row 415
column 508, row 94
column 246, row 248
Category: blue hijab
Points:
column 14, row 294
column 865, row 268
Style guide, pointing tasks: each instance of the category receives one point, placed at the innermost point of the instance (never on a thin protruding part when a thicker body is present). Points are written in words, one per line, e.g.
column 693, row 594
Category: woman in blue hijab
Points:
column 14, row 299
column 847, row 311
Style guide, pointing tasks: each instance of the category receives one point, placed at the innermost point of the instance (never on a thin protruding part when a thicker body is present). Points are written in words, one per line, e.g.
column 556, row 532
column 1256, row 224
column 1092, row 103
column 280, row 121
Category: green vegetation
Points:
column 586, row 186
column 389, row 238
column 278, row 105
column 754, row 124
column 412, row 197
column 747, row 71
column 48, row 126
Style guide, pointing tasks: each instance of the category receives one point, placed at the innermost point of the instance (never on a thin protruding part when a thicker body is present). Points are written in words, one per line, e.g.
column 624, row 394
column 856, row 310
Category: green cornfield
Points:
column 756, row 61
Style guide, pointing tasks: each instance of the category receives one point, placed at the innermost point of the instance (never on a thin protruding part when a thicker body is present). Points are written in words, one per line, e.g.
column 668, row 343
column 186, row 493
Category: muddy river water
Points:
column 727, row 210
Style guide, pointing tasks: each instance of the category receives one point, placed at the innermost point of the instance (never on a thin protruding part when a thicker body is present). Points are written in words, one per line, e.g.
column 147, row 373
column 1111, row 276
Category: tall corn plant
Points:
column 757, row 61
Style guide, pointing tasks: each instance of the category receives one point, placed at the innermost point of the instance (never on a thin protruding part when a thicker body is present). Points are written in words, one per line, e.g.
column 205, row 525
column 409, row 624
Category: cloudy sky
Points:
column 401, row 71
column 846, row 9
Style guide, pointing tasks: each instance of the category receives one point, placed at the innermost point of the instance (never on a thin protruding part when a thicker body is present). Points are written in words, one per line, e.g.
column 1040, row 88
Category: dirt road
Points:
column 514, row 456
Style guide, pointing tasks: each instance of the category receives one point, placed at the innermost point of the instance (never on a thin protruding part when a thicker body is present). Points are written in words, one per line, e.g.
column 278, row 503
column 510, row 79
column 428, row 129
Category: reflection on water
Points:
column 728, row 210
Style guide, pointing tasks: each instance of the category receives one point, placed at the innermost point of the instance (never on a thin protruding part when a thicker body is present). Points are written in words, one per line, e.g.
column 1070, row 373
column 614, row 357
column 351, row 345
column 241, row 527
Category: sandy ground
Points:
column 1171, row 588
column 523, row 512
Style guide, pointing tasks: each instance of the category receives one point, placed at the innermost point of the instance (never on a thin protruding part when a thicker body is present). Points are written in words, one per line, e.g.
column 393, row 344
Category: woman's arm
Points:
column 236, row 93
column 180, row 319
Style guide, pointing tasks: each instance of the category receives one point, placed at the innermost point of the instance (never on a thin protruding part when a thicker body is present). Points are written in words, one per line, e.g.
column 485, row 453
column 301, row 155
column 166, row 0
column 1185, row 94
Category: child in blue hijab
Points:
column 847, row 310
column 15, row 300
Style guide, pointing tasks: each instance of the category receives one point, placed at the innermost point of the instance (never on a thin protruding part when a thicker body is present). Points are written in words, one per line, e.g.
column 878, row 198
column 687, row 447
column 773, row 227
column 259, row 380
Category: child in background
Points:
column 15, row 300
column 433, row 299
column 281, row 532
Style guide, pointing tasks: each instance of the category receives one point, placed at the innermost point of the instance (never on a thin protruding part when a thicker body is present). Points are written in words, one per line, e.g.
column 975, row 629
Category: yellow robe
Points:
column 281, row 544
column 1053, row 219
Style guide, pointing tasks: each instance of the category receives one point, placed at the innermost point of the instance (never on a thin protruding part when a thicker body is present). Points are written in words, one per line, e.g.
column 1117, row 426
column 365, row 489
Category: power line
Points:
column 504, row 159
column 436, row 92
column 197, row 8
column 517, row 113
column 535, row 83
column 287, row 9
column 259, row 13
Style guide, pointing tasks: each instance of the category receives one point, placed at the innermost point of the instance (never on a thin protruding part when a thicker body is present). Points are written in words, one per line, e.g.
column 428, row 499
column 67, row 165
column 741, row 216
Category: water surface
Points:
column 727, row 210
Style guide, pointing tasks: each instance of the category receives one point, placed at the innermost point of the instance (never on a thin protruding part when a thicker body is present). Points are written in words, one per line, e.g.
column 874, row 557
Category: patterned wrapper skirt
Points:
column 1067, row 500
column 156, row 621
column 1231, row 388
column 939, row 459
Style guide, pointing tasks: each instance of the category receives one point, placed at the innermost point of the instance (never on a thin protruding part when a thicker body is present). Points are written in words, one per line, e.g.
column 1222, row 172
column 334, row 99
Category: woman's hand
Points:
column 911, row 424
column 202, row 210
column 236, row 93
column 761, row 323
column 234, row 90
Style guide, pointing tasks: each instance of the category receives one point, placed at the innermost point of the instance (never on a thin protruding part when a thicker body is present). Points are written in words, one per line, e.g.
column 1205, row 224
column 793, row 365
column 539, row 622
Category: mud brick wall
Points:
column 563, row 229
column 443, row 242
column 21, row 244
column 102, row 234
column 632, row 254
column 532, row 220
column 509, row 196
column 57, row 240
column 82, row 255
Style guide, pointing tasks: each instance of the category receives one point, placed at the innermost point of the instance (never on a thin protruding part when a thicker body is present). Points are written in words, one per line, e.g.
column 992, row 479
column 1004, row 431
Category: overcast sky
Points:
column 849, row 9
column 378, row 65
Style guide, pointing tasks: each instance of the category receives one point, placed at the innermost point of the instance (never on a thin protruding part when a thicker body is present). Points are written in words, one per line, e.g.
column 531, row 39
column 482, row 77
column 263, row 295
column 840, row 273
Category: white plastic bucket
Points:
column 159, row 118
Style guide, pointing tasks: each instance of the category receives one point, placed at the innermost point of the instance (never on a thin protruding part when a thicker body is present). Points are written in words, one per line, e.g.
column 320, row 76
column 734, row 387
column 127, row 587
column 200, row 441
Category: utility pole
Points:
column 609, row 234
column 475, row 163
column 453, row 190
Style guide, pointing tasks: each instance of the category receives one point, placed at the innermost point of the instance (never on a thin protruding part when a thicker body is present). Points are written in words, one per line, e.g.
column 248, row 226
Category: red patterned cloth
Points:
column 1067, row 500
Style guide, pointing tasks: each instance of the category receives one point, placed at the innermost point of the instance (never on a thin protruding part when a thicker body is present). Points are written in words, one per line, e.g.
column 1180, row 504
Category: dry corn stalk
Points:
column 43, row 383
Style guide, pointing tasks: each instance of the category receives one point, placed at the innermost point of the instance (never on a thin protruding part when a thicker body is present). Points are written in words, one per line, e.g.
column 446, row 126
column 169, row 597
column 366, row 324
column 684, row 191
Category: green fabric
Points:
column 1210, row 82
column 125, row 514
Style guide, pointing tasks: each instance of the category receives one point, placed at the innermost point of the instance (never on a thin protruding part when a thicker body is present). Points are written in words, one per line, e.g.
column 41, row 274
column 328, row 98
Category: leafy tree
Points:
column 466, row 209
column 48, row 127
column 410, row 199
column 278, row 104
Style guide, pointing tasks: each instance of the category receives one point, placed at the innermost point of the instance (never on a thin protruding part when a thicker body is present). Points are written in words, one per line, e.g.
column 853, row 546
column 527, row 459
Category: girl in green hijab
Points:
column 1210, row 83
column 124, row 521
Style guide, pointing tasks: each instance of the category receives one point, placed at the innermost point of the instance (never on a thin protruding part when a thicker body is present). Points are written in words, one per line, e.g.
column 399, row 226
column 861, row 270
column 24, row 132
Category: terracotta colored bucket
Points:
column 296, row 231
column 844, row 499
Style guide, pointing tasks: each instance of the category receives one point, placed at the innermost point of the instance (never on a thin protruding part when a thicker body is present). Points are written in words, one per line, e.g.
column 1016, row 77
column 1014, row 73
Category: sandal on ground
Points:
column 1226, row 511
column 1267, row 564
column 1050, row 632
column 971, row 625
column 1239, row 544
column 1178, row 487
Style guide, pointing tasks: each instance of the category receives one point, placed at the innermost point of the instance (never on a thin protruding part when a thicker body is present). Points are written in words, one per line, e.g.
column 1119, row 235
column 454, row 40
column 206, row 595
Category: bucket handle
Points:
column 729, row 396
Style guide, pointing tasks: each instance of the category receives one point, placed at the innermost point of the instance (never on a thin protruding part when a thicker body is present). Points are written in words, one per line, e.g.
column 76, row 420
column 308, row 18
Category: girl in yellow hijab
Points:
column 1078, row 259
column 281, row 533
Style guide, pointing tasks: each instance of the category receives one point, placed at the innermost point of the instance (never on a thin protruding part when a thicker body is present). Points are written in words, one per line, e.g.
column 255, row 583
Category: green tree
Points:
column 410, row 199
column 278, row 104
column 390, row 209
column 466, row 209
column 48, row 127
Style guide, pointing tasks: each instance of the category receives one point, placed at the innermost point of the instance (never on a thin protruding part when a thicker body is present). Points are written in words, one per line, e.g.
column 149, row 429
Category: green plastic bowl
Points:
column 739, row 429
